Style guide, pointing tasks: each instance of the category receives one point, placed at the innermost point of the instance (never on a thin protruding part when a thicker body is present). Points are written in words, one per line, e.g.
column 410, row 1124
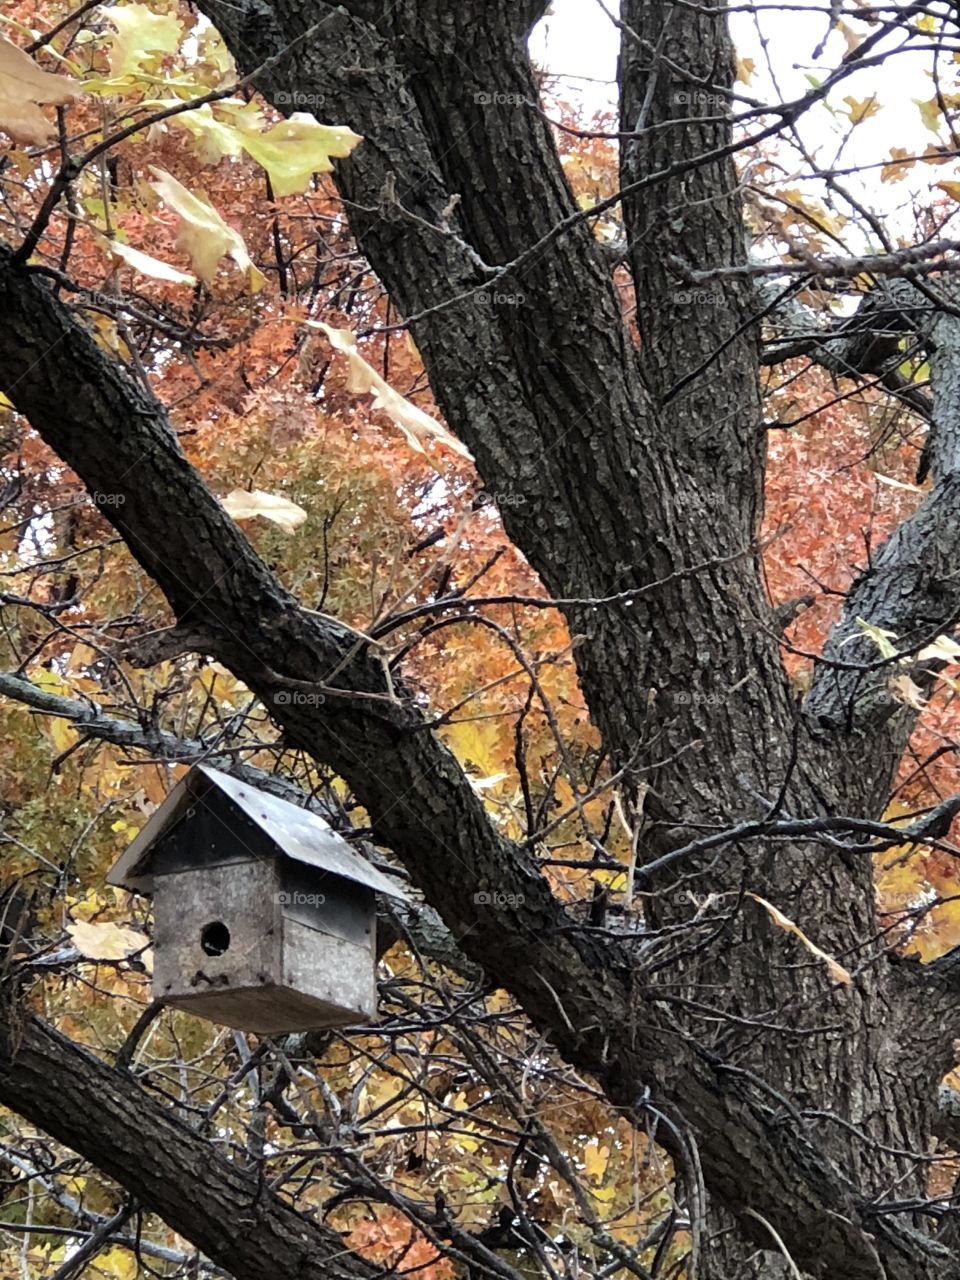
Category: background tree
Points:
column 672, row 778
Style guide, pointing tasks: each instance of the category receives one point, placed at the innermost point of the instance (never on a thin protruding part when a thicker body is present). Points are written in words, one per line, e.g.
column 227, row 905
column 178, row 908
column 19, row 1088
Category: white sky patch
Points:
column 578, row 43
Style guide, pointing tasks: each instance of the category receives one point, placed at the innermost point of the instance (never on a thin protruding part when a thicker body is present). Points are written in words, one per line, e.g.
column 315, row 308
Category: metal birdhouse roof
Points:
column 295, row 833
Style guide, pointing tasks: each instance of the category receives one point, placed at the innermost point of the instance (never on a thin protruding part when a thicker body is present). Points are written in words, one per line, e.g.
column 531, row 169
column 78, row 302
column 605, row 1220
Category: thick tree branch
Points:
column 106, row 1116
column 911, row 588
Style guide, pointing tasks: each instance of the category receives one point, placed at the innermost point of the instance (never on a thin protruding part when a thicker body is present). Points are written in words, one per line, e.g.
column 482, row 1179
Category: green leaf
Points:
column 929, row 114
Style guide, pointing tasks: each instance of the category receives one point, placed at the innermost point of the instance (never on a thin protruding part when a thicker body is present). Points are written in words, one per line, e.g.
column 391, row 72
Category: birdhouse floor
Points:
column 266, row 1010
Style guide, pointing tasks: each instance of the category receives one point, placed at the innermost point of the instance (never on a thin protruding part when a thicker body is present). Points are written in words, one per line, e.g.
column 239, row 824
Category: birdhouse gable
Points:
column 210, row 819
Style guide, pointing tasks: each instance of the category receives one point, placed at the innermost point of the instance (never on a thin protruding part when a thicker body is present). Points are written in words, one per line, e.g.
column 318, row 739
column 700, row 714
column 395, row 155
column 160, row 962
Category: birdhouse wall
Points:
column 339, row 975
column 193, row 957
column 327, row 902
column 229, row 946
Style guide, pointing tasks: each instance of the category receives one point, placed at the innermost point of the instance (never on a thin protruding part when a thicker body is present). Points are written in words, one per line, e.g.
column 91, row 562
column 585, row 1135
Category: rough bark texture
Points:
column 639, row 469
column 227, row 1213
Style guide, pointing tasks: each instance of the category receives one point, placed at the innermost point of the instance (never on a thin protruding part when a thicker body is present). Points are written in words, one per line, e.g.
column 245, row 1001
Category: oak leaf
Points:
column 242, row 505
column 416, row 425
column 203, row 234
column 24, row 88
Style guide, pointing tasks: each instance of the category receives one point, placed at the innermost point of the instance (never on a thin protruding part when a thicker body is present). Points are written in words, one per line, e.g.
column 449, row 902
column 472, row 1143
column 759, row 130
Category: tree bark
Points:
column 107, row 1117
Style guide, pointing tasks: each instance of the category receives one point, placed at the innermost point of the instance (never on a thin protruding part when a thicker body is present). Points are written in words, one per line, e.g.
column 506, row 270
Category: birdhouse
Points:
column 264, row 917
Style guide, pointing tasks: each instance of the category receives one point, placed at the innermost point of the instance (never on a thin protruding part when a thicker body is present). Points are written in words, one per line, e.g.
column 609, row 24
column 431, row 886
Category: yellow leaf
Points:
column 745, row 69
column 878, row 635
column 476, row 744
column 929, row 114
column 23, row 89
column 116, row 1263
column 216, row 139
column 861, row 109
column 293, row 150
column 105, row 941
column 943, row 649
column 143, row 263
column 82, row 657
column 107, row 335
column 63, row 734
column 416, row 425
column 244, row 506
column 907, row 691
column 836, row 970
column 951, row 188
column 595, row 1160
column 141, row 36
column 850, row 36
column 203, row 234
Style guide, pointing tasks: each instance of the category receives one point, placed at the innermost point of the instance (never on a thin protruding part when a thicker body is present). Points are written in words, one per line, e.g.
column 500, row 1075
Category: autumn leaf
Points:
column 907, row 691
column 142, row 35
column 595, row 1160
column 24, row 88
column 943, row 649
column 880, row 637
column 835, row 969
column 106, row 940
column 291, row 151
column 215, row 138
column 861, row 109
column 929, row 113
column 242, row 505
column 417, row 426
column 853, row 41
column 203, row 234
column 897, row 165
column 144, row 263
column 116, row 1263
column 294, row 149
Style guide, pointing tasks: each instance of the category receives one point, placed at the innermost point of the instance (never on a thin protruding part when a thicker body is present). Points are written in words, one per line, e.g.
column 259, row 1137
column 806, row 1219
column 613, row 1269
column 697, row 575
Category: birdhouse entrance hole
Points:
column 215, row 938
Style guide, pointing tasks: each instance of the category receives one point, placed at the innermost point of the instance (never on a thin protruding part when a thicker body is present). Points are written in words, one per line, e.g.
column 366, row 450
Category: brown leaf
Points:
column 23, row 89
